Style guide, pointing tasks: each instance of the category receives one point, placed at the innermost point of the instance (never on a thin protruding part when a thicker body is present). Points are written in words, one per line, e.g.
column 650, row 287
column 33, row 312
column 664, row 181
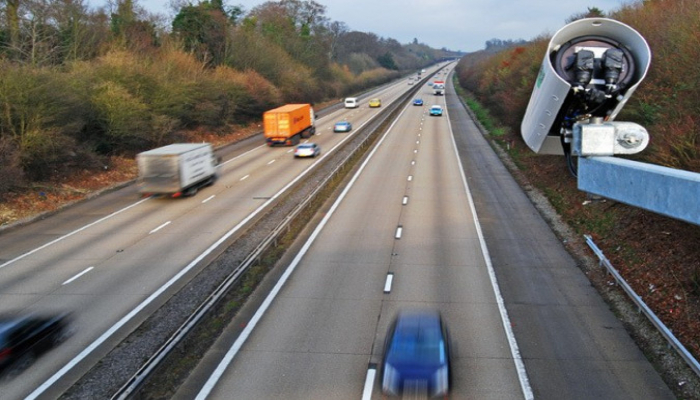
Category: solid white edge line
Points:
column 72, row 233
column 369, row 384
column 83, row 354
column 229, row 356
column 78, row 275
column 145, row 303
column 514, row 349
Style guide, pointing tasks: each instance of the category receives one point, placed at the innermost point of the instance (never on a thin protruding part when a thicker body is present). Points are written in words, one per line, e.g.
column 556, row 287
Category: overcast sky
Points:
column 455, row 24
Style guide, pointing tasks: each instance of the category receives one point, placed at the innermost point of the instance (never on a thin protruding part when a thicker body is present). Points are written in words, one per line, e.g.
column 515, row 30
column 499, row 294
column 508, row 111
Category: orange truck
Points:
column 286, row 125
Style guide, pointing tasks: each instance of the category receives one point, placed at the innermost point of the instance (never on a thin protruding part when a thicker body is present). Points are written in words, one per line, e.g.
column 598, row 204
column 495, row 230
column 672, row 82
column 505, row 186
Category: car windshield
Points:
column 305, row 146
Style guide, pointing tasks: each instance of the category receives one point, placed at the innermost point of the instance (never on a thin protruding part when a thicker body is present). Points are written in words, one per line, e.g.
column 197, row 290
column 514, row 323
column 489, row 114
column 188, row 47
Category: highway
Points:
column 434, row 208
column 113, row 260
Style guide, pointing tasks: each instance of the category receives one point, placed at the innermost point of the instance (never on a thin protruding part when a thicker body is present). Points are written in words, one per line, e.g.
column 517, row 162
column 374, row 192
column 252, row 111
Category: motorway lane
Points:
column 329, row 321
column 572, row 345
column 116, row 264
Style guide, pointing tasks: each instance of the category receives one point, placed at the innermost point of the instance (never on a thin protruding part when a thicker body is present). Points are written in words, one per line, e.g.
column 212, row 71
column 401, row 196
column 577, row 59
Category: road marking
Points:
column 160, row 227
column 405, row 200
column 389, row 280
column 208, row 198
column 505, row 320
column 415, row 151
column 369, row 382
column 271, row 162
column 71, row 233
column 417, row 141
column 151, row 298
column 245, row 177
column 238, row 344
column 290, row 150
column 410, row 178
column 78, row 275
column 399, row 231
column 413, row 162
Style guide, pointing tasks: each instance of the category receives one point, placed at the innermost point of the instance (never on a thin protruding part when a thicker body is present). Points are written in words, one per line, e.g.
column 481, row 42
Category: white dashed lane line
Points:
column 160, row 227
column 78, row 275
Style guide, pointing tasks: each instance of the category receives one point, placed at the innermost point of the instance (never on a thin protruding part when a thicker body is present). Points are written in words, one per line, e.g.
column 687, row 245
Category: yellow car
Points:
column 375, row 103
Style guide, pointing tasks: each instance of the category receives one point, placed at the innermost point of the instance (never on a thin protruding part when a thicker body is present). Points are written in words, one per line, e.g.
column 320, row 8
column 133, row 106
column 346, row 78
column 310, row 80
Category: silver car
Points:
column 307, row 150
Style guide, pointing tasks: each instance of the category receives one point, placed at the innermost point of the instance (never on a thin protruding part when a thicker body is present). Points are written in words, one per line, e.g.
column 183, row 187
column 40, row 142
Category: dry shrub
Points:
column 668, row 101
column 11, row 173
column 261, row 91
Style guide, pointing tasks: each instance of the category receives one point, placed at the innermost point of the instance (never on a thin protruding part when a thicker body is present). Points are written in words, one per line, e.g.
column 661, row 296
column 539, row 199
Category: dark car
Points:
column 417, row 356
column 417, row 102
column 23, row 338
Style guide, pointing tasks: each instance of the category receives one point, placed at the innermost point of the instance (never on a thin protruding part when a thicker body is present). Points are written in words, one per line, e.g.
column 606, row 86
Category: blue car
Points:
column 417, row 355
column 436, row 111
column 417, row 102
column 342, row 126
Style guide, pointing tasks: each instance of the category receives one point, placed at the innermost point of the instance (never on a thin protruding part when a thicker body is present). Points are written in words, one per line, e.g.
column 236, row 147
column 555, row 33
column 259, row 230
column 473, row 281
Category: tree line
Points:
column 78, row 85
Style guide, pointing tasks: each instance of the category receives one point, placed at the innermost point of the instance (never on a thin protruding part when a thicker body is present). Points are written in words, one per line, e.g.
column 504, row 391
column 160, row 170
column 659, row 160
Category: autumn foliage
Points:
column 657, row 255
column 667, row 102
column 80, row 86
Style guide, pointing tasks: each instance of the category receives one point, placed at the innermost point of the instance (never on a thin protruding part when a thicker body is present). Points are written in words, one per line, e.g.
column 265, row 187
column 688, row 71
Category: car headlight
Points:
column 441, row 378
column 390, row 382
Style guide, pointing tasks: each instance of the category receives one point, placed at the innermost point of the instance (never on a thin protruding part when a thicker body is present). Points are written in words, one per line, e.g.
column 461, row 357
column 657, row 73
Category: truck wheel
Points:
column 191, row 191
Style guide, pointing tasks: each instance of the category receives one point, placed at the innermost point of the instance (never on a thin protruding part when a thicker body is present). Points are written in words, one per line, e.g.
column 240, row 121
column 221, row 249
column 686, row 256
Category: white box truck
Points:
column 176, row 170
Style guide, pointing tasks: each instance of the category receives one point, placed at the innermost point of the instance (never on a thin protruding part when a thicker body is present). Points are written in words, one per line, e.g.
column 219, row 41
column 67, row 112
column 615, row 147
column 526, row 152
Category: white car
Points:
column 351, row 102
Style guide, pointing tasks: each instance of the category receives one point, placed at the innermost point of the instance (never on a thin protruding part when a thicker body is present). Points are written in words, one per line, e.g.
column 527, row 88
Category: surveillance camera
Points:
column 591, row 68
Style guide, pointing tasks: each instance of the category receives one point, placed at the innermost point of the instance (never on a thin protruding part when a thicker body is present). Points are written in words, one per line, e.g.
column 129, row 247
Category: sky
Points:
column 455, row 24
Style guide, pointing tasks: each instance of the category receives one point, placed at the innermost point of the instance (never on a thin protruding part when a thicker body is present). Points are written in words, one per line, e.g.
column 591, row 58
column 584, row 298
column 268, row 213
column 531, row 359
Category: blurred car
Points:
column 307, row 150
column 24, row 338
column 410, row 82
column 351, row 102
column 342, row 126
column 436, row 110
column 430, row 83
column 417, row 355
column 375, row 103
column 417, row 102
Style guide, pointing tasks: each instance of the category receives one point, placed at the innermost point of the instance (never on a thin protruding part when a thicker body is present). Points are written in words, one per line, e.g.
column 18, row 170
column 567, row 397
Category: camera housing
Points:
column 591, row 68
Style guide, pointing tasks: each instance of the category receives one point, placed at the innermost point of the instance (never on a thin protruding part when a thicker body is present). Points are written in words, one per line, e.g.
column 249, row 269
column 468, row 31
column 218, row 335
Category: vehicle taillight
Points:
column 4, row 353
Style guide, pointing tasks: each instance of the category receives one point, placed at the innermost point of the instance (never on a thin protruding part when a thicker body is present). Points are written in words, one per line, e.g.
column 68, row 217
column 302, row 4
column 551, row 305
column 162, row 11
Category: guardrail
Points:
column 132, row 385
column 667, row 334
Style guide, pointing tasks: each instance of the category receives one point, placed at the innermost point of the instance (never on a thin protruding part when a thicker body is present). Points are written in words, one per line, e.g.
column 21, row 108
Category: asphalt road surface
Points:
column 444, row 218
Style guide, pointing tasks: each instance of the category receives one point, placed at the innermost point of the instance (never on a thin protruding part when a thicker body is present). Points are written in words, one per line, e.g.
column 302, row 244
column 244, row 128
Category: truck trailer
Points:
column 176, row 170
column 286, row 125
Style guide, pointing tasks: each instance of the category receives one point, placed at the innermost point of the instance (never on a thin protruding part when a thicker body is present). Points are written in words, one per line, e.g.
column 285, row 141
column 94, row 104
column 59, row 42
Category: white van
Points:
column 351, row 102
